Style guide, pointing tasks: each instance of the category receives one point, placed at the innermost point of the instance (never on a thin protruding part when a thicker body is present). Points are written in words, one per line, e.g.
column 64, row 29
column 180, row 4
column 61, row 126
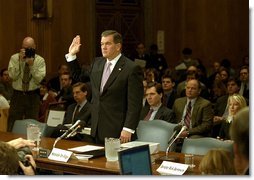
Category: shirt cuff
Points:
column 129, row 130
column 70, row 57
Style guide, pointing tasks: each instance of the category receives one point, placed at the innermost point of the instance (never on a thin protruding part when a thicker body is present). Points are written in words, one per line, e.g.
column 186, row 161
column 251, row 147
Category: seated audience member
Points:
column 10, row 162
column 239, row 133
column 152, row 75
column 217, row 162
column 140, row 53
column 221, row 108
column 181, row 87
column 157, row 60
column 215, row 71
column 155, row 110
column 184, row 64
column 5, row 84
column 168, row 86
column 227, row 64
column 54, row 84
column 46, row 99
column 218, row 89
column 224, row 75
column 65, row 94
column 194, row 112
column 244, row 78
column 81, row 110
column 235, row 103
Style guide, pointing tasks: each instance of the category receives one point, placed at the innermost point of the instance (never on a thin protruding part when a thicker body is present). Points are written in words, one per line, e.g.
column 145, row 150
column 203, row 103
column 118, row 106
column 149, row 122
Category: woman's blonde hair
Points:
column 239, row 99
column 217, row 162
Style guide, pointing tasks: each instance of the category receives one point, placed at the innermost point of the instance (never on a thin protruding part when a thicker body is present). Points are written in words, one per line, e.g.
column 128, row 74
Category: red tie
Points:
column 187, row 118
column 148, row 115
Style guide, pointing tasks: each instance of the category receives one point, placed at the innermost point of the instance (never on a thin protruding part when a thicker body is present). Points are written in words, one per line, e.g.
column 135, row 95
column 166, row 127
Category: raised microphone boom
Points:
column 180, row 132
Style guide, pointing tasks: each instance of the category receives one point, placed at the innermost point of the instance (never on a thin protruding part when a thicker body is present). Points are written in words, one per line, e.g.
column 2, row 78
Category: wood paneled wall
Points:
column 214, row 29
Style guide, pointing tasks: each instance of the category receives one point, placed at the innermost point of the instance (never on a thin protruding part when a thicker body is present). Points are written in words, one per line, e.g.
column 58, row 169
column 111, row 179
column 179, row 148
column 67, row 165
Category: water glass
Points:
column 34, row 134
column 112, row 146
column 189, row 160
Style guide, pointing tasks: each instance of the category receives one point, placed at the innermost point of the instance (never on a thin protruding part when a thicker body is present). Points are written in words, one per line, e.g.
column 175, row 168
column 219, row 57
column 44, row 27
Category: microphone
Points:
column 80, row 126
column 180, row 132
column 176, row 130
column 173, row 138
column 66, row 133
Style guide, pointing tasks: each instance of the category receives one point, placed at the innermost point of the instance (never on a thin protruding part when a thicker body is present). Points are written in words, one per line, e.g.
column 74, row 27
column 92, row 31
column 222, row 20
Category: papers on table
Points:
column 88, row 151
column 86, row 148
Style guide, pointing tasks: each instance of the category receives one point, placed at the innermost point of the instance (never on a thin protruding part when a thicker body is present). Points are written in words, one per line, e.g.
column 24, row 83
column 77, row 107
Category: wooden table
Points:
column 95, row 166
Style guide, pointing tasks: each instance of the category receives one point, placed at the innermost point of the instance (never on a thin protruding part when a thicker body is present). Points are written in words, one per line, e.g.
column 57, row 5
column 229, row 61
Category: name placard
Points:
column 60, row 155
column 172, row 168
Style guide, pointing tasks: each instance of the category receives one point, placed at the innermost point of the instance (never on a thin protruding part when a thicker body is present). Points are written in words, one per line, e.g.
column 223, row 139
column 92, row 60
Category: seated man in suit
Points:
column 81, row 110
column 155, row 110
column 194, row 112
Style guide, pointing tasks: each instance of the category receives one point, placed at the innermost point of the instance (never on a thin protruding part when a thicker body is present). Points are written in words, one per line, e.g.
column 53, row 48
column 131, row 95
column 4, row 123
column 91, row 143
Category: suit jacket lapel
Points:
column 98, row 69
column 195, row 110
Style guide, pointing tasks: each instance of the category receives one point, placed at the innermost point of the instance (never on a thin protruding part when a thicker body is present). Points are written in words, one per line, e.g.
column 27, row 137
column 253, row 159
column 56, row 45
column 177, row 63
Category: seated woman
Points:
column 235, row 103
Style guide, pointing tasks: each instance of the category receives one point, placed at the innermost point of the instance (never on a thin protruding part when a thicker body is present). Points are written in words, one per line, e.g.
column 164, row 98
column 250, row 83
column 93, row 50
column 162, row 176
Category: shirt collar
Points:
column 114, row 61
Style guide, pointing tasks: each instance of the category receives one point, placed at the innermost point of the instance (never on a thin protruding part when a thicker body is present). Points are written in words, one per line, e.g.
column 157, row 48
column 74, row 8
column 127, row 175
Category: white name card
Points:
column 60, row 155
column 55, row 118
column 172, row 168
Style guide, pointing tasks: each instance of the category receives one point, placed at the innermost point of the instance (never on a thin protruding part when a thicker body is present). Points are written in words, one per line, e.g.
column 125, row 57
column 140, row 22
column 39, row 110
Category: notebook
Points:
column 135, row 161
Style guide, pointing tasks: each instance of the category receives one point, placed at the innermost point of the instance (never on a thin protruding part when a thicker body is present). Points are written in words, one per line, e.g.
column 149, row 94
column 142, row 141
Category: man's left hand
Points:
column 125, row 136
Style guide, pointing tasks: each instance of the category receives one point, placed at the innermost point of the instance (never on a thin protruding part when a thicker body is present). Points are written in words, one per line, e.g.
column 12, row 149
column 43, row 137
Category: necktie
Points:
column 105, row 75
column 26, row 78
column 187, row 118
column 148, row 116
column 75, row 114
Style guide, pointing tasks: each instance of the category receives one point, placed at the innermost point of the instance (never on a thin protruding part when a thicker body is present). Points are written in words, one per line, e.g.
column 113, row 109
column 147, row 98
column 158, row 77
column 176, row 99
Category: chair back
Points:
column 19, row 126
column 157, row 131
column 200, row 146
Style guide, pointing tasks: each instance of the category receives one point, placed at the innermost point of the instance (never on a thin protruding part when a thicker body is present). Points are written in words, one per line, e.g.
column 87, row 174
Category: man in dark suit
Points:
column 168, row 86
column 199, row 119
column 81, row 110
column 117, row 101
column 155, row 110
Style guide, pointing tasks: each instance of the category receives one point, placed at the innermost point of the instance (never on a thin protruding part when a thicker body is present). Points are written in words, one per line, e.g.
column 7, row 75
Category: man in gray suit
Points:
column 117, row 101
column 199, row 113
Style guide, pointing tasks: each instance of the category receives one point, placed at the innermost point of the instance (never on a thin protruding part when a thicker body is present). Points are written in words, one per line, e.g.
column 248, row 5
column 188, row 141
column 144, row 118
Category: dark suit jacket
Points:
column 171, row 99
column 120, row 103
column 163, row 113
column 220, row 105
column 201, row 118
column 83, row 115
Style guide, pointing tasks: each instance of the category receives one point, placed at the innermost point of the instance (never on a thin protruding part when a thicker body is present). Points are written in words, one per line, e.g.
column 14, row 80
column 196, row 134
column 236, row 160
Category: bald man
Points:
column 27, row 69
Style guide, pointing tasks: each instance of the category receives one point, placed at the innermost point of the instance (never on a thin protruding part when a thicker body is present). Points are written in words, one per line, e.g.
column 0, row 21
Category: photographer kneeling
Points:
column 10, row 163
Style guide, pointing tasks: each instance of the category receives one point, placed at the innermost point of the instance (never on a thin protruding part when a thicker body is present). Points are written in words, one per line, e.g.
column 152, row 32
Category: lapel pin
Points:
column 120, row 69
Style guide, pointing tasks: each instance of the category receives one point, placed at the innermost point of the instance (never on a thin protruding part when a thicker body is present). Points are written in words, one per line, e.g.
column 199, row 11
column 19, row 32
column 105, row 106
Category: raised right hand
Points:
column 75, row 45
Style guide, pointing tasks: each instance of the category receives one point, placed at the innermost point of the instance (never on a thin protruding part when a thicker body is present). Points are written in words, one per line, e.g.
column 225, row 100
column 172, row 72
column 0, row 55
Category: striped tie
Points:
column 187, row 118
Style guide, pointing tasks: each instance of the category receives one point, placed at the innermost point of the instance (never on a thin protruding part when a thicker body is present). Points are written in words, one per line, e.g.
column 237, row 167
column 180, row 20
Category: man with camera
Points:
column 27, row 69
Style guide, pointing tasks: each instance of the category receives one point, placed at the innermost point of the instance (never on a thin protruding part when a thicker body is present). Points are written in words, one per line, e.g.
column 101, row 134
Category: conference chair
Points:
column 157, row 131
column 19, row 126
column 200, row 146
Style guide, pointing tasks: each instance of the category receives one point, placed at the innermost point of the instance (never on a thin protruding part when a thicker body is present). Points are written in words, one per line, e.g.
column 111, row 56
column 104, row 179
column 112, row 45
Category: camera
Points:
column 22, row 152
column 29, row 52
